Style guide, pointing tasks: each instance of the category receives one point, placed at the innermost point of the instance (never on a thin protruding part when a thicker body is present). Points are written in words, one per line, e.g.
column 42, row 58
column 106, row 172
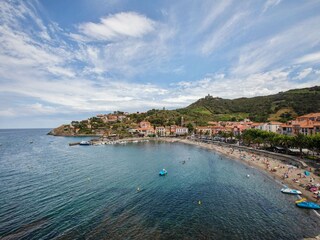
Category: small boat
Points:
column 163, row 172
column 310, row 205
column 84, row 143
column 290, row 191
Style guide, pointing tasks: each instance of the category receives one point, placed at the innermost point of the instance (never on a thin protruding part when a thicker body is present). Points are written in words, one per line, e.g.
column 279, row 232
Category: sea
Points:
column 50, row 190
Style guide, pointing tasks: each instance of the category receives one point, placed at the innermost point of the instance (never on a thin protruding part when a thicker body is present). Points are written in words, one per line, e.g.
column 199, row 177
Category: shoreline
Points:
column 264, row 164
column 271, row 165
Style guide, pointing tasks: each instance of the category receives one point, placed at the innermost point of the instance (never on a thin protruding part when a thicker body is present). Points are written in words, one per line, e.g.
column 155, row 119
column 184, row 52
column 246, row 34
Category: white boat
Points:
column 84, row 143
column 290, row 191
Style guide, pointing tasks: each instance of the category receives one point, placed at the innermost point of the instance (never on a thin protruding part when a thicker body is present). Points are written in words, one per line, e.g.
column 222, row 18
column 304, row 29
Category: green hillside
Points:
column 282, row 106
column 279, row 107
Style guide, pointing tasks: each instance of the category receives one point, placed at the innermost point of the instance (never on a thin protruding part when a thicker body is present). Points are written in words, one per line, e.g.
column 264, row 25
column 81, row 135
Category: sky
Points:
column 67, row 60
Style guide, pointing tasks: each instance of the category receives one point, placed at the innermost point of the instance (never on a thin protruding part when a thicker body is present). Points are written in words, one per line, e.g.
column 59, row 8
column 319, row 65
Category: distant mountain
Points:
column 282, row 106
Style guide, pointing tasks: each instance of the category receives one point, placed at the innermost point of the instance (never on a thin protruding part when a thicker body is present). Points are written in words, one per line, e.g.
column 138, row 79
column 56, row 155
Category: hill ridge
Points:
column 282, row 106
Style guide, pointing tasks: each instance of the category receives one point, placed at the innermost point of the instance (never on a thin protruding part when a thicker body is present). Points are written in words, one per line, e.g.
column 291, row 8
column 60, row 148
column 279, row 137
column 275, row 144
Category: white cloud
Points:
column 220, row 36
column 186, row 92
column 211, row 14
column 94, row 67
column 40, row 70
column 82, row 95
column 40, row 109
column 60, row 71
column 304, row 73
column 35, row 109
column 8, row 112
column 117, row 26
column 179, row 70
column 277, row 50
column 128, row 58
column 309, row 58
column 181, row 100
column 270, row 4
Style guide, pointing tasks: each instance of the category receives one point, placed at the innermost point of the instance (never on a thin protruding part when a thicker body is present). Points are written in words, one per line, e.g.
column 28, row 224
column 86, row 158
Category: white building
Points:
column 271, row 126
column 181, row 131
column 161, row 131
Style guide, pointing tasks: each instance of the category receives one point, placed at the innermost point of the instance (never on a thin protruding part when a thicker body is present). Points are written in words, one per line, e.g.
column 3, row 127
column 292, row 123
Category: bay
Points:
column 49, row 190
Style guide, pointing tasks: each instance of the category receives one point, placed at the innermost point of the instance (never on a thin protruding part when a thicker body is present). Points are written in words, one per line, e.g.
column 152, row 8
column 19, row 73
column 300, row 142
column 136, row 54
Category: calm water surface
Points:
column 49, row 190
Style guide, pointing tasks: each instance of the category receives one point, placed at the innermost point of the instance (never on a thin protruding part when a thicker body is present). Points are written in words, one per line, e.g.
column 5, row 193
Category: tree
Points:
column 190, row 127
column 300, row 141
column 313, row 142
column 316, row 141
column 286, row 141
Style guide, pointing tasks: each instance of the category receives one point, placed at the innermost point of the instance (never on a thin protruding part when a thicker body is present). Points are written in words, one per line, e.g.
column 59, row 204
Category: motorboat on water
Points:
column 84, row 143
column 309, row 205
column 163, row 172
column 291, row 191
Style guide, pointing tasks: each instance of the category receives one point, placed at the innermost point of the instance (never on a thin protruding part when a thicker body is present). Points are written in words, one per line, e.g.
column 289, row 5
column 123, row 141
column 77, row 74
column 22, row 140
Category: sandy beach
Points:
column 286, row 174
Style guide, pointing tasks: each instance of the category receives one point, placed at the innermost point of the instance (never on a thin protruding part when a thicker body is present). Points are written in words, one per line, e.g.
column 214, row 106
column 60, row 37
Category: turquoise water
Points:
column 52, row 191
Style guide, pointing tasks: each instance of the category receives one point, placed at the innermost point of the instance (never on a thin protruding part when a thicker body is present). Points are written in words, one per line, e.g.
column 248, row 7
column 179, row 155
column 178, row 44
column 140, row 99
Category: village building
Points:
column 145, row 129
column 271, row 126
column 311, row 116
column 161, row 131
column 112, row 118
column 173, row 130
column 256, row 126
column 181, row 131
column 238, row 129
column 308, row 124
column 204, row 130
column 167, row 130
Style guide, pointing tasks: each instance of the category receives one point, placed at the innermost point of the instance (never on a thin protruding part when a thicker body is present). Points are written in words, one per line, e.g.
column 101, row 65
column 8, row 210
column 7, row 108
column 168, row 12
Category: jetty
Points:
column 74, row 143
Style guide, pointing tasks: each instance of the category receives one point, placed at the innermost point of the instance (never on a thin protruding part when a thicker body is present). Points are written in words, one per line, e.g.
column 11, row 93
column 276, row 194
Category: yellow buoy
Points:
column 199, row 202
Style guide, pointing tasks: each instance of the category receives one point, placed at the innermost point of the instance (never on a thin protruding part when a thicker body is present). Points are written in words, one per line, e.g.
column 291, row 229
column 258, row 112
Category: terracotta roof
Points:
column 256, row 124
column 242, row 127
column 286, row 125
column 310, row 115
column 306, row 124
column 275, row 123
